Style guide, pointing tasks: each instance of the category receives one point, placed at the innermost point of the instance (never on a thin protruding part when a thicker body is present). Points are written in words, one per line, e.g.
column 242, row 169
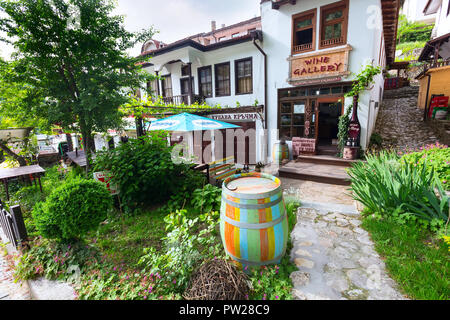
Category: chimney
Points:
column 223, row 25
column 213, row 25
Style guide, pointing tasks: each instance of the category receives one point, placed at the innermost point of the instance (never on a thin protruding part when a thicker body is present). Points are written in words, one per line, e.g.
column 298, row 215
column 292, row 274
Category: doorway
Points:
column 328, row 121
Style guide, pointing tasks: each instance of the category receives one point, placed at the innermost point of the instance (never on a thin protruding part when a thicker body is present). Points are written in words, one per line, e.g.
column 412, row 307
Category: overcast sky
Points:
column 176, row 19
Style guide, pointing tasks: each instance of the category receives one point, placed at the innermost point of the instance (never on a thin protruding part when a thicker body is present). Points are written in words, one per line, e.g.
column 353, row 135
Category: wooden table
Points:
column 79, row 157
column 34, row 171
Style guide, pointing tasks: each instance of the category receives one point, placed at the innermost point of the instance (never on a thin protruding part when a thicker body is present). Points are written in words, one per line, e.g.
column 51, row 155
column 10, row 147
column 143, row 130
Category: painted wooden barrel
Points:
column 253, row 220
column 280, row 152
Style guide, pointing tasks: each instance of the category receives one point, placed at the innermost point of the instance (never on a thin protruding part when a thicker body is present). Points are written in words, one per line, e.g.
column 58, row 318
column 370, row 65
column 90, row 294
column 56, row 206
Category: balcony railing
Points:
column 332, row 42
column 303, row 47
column 183, row 99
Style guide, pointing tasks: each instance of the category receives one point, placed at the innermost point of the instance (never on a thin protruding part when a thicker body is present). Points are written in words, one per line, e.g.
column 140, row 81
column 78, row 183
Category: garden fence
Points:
column 13, row 225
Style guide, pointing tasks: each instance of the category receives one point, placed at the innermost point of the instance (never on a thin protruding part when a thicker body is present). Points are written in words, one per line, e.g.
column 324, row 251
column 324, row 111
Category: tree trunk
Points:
column 8, row 151
column 86, row 133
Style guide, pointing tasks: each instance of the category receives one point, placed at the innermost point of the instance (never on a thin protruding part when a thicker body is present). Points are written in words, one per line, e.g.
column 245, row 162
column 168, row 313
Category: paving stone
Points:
column 304, row 253
column 358, row 278
column 344, row 264
column 360, row 231
column 300, row 279
column 339, row 285
column 356, row 223
column 342, row 222
column 300, row 262
column 326, row 243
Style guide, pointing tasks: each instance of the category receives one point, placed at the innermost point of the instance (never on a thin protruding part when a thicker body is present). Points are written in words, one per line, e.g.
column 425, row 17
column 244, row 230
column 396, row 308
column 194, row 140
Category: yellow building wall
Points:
column 440, row 84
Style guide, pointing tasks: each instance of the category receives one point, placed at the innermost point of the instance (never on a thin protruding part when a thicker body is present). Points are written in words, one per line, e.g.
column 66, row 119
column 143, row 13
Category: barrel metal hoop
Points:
column 252, row 226
column 251, row 196
column 252, row 206
column 252, row 263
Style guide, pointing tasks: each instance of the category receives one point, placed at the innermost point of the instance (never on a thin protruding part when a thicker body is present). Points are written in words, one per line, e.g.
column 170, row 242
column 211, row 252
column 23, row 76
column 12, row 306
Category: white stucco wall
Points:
column 364, row 35
column 202, row 59
column 442, row 20
column 413, row 10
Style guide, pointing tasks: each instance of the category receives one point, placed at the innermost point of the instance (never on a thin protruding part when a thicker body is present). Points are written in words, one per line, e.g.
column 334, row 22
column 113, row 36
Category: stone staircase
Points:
column 405, row 92
column 400, row 122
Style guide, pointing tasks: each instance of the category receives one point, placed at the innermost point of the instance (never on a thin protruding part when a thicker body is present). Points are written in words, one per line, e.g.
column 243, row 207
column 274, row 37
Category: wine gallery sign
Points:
column 326, row 65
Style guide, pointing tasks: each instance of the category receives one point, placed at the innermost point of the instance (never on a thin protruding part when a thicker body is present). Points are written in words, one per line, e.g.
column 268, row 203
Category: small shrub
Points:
column 207, row 199
column 389, row 188
column 72, row 209
column 144, row 171
column 436, row 157
column 376, row 140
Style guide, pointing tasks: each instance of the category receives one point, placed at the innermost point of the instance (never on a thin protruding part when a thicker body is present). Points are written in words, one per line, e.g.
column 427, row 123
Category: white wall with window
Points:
column 327, row 25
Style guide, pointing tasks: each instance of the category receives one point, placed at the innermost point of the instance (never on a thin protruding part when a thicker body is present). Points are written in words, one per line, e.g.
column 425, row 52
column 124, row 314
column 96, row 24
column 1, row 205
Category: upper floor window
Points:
column 251, row 30
column 152, row 87
column 185, row 71
column 244, row 76
column 304, row 31
column 235, row 35
column 222, row 79
column 333, row 24
column 205, row 81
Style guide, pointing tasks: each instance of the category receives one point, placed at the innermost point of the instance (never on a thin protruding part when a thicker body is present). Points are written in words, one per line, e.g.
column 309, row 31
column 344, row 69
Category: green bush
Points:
column 436, row 157
column 207, row 199
column 72, row 209
column 413, row 31
column 387, row 187
column 376, row 140
column 144, row 171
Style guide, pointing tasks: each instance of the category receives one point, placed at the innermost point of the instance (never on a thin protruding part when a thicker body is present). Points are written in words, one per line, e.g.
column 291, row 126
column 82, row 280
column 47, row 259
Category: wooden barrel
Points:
column 280, row 152
column 253, row 220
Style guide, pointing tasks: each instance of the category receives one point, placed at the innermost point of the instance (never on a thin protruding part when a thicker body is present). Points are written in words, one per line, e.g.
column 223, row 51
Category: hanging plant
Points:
column 362, row 80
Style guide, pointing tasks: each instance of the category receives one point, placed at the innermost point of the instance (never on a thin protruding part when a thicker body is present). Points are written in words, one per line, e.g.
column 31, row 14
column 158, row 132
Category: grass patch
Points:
column 124, row 239
column 415, row 259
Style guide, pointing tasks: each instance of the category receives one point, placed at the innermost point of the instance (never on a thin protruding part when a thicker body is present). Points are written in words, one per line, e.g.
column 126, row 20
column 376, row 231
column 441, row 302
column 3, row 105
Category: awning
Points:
column 442, row 42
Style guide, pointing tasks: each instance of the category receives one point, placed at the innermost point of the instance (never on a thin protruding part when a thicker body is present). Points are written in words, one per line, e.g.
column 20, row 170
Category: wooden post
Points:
column 158, row 91
column 40, row 184
column 69, row 141
column 190, row 83
column 5, row 182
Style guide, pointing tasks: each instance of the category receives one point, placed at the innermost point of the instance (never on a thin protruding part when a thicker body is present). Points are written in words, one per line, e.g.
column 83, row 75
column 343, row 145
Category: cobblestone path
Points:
column 336, row 258
column 400, row 121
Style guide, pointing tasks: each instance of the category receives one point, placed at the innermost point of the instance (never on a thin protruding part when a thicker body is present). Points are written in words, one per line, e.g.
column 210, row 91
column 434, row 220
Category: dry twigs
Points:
column 217, row 280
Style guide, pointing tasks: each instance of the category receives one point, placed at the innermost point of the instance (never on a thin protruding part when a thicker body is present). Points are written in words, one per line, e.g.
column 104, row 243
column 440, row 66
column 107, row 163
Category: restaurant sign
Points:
column 235, row 117
column 329, row 64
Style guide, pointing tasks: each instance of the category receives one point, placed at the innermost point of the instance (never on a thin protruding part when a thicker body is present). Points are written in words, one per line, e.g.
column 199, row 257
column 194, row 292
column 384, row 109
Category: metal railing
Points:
column 13, row 225
column 183, row 99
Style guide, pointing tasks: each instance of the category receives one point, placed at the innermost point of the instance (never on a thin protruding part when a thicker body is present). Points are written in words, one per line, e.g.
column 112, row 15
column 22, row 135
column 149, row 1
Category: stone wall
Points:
column 441, row 129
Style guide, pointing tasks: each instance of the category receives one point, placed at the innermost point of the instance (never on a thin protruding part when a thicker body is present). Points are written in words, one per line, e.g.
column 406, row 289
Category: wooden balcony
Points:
column 332, row 42
column 302, row 48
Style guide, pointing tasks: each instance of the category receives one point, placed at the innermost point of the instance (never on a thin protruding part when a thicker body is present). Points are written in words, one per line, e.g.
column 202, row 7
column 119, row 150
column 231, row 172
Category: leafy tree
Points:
column 413, row 31
column 74, row 53
column 16, row 101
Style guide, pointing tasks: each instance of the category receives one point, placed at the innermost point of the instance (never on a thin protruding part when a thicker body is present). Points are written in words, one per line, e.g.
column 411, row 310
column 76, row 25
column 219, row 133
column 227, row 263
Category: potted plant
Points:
column 259, row 166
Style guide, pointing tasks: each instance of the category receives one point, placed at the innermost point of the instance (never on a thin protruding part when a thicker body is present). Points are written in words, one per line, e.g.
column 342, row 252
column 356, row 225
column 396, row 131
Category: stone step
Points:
column 327, row 160
column 405, row 92
column 323, row 173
